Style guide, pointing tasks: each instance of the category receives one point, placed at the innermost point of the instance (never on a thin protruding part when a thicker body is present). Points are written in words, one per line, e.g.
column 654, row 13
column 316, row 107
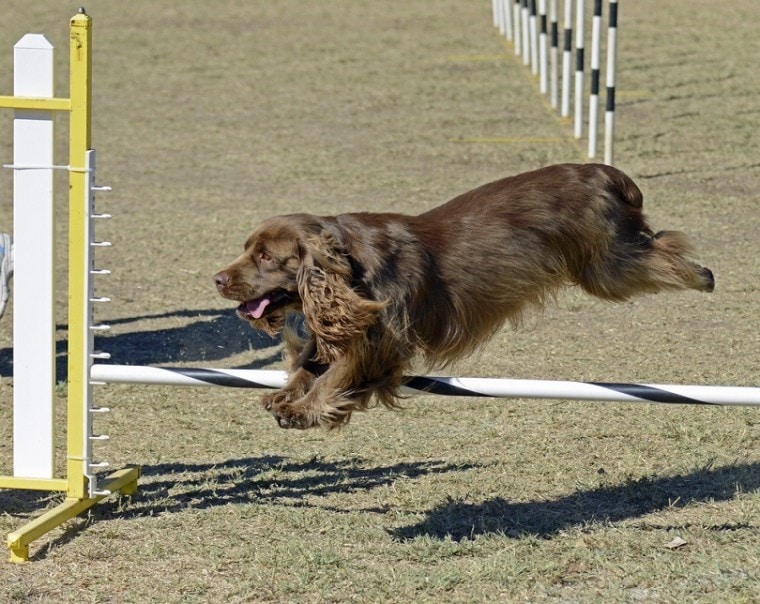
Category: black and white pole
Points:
column 567, row 58
column 579, row 66
column 516, row 22
column 533, row 23
column 543, row 48
column 446, row 386
column 554, row 55
column 609, row 116
column 534, row 28
column 525, row 20
column 596, row 52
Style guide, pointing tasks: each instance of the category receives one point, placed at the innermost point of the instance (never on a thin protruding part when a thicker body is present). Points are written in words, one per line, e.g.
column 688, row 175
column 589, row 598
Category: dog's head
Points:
column 299, row 263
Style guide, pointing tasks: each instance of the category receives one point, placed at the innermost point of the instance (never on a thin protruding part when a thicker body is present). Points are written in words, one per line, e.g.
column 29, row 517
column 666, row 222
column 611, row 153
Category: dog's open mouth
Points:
column 258, row 307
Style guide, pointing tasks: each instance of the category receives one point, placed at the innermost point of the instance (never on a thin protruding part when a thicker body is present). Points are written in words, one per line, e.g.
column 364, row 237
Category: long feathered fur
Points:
column 379, row 290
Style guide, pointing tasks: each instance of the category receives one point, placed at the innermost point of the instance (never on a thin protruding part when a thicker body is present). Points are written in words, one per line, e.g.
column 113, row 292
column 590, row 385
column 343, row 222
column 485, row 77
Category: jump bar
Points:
column 446, row 386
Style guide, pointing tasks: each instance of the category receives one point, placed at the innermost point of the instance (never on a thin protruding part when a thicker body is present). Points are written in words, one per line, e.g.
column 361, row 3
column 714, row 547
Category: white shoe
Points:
column 6, row 269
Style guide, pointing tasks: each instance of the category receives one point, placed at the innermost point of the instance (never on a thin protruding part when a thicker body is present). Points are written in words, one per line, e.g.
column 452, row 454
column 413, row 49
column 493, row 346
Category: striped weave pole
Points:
column 609, row 116
column 533, row 24
column 567, row 53
column 446, row 386
column 596, row 53
column 534, row 28
column 580, row 48
column 543, row 48
column 554, row 55
column 525, row 20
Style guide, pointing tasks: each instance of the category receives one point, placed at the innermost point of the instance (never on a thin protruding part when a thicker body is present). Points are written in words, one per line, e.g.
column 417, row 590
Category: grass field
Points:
column 210, row 116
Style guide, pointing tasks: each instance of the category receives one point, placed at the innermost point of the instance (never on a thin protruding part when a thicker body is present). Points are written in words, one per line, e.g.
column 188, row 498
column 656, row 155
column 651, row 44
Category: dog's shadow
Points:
column 267, row 480
column 204, row 340
column 274, row 480
column 173, row 487
column 459, row 520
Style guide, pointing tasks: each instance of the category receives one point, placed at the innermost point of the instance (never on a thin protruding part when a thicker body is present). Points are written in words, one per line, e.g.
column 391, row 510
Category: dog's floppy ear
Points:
column 335, row 313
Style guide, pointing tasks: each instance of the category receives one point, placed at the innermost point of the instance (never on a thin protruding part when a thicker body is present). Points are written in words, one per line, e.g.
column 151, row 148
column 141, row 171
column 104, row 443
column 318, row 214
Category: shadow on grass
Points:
column 169, row 488
column 27, row 503
column 274, row 480
column 176, row 487
column 461, row 521
column 205, row 340
column 268, row 480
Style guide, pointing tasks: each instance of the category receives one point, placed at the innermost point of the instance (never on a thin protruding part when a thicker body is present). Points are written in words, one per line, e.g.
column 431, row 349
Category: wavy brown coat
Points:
column 377, row 290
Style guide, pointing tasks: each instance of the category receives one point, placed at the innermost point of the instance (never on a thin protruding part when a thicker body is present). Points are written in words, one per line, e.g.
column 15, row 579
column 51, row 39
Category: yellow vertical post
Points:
column 76, row 483
column 79, row 142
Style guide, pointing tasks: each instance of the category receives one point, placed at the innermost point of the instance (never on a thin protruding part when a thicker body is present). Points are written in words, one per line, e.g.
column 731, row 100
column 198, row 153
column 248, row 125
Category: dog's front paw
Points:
column 289, row 416
column 275, row 399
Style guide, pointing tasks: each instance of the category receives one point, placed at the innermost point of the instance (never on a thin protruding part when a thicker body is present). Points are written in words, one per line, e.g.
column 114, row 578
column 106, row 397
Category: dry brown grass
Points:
column 331, row 107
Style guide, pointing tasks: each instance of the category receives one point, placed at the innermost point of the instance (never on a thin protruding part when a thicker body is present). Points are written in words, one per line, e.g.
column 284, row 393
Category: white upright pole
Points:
column 517, row 21
column 525, row 16
column 543, row 48
column 554, row 54
column 506, row 15
column 579, row 65
column 34, row 267
column 609, row 116
column 596, row 52
column 533, row 24
column 567, row 59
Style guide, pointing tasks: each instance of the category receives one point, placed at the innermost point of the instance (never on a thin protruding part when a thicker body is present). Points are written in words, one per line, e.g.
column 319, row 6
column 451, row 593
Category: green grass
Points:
column 330, row 107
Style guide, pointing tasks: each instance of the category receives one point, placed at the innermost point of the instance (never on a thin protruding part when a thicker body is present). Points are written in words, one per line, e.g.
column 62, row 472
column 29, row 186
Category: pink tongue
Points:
column 257, row 307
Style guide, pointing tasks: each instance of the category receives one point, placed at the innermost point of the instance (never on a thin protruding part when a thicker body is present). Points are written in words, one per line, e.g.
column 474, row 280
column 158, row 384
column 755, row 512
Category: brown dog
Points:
column 377, row 289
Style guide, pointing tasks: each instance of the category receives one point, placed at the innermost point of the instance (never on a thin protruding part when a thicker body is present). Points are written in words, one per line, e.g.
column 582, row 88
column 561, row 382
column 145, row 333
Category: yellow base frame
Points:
column 124, row 480
column 75, row 485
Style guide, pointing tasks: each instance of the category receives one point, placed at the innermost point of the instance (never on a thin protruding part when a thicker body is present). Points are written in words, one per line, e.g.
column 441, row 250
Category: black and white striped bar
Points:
column 446, row 386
